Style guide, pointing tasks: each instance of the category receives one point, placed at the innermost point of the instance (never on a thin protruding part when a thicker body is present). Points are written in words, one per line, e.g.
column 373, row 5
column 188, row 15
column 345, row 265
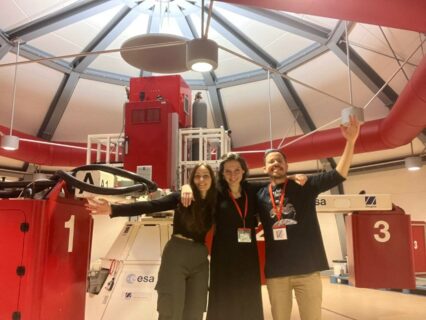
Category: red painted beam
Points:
column 400, row 14
column 45, row 154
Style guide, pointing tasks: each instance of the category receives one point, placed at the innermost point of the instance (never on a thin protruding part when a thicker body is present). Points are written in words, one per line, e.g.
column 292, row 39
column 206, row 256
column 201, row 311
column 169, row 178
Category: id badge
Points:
column 279, row 233
column 244, row 235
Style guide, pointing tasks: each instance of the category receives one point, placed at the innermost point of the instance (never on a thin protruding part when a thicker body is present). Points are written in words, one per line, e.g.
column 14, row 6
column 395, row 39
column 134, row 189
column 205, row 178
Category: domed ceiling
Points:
column 73, row 82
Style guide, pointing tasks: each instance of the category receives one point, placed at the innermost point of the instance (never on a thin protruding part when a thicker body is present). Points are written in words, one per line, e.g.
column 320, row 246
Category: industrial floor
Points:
column 341, row 302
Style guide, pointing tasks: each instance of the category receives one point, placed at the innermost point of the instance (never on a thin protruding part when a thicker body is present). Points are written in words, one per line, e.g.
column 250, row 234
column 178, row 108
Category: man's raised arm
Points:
column 350, row 132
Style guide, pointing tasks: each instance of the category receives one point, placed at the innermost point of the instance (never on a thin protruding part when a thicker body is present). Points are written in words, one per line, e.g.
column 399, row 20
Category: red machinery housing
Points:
column 419, row 245
column 380, row 249
column 157, row 108
column 45, row 252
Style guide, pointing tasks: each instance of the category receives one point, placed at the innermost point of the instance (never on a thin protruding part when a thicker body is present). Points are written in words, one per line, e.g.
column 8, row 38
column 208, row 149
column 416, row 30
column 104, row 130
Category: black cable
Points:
column 152, row 186
column 142, row 184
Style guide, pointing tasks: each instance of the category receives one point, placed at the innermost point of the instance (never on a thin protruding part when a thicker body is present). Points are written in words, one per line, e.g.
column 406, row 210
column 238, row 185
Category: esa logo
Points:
column 320, row 202
column 132, row 278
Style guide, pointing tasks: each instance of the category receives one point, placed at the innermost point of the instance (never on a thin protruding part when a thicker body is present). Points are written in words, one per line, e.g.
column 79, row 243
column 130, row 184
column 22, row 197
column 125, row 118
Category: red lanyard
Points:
column 278, row 211
column 238, row 207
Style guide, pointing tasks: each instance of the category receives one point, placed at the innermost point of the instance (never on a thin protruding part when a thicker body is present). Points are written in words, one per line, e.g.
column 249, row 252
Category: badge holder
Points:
column 279, row 232
column 244, row 235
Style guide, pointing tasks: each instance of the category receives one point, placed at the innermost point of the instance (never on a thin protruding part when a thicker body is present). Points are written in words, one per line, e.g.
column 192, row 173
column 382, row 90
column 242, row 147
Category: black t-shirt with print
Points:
column 303, row 251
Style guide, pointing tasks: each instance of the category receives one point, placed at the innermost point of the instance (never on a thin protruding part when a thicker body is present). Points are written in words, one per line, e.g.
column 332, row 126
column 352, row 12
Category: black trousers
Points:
column 183, row 280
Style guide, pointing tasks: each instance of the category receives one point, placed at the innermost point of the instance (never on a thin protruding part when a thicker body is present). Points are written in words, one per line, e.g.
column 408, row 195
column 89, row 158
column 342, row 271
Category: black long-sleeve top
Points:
column 169, row 202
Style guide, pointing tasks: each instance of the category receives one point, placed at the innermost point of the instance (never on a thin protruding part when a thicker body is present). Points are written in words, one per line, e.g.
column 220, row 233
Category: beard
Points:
column 279, row 174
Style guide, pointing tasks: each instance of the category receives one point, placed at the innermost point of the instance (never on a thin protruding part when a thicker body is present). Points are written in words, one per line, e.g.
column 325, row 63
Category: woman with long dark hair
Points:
column 184, row 271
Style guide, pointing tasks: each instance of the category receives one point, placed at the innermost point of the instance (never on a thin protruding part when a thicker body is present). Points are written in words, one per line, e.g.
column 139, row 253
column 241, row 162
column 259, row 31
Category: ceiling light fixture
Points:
column 413, row 163
column 11, row 142
column 201, row 55
column 152, row 52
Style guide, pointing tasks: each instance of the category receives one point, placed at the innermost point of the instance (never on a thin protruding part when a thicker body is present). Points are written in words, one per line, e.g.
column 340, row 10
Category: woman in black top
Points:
column 235, row 291
column 183, row 277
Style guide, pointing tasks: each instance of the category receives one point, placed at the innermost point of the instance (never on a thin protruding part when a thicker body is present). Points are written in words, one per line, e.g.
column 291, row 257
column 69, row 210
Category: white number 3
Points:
column 384, row 234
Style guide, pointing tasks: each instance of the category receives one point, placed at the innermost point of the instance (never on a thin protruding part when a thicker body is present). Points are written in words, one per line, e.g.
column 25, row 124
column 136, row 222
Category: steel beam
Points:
column 359, row 66
column 106, row 77
column 240, row 40
column 281, row 21
column 285, row 66
column 104, row 38
column 294, row 103
column 58, row 106
column 307, row 54
column 5, row 44
column 32, row 53
column 61, row 18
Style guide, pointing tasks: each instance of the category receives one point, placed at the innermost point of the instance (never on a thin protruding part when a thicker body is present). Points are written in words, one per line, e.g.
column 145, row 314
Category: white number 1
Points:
column 383, row 227
column 70, row 225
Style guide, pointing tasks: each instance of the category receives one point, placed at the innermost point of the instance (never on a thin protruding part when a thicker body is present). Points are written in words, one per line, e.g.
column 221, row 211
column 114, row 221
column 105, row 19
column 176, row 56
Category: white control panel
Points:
column 353, row 202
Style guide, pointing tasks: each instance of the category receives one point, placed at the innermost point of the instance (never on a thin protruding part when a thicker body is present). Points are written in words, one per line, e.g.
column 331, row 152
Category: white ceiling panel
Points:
column 95, row 108
column 249, row 117
column 35, row 88
column 377, row 53
column 170, row 26
column 113, row 62
column 286, row 45
column 386, row 67
column 403, row 42
column 321, row 21
column 24, row 11
column 230, row 65
column 268, row 38
column 10, row 13
column 323, row 108
column 74, row 38
column 264, row 34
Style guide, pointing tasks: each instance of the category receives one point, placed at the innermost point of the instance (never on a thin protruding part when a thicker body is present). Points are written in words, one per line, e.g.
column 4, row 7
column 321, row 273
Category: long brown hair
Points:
column 197, row 218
